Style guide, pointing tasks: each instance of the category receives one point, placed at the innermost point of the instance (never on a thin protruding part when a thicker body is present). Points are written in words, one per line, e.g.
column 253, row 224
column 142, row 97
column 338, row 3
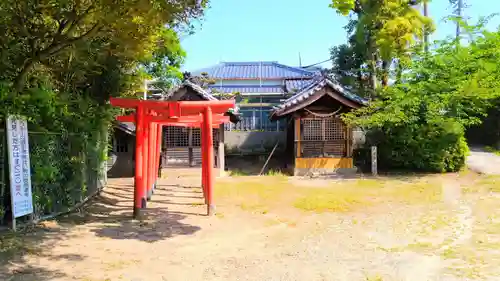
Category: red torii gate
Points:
column 149, row 118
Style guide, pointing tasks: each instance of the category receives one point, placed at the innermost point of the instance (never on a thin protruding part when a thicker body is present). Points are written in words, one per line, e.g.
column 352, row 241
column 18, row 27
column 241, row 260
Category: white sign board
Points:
column 19, row 166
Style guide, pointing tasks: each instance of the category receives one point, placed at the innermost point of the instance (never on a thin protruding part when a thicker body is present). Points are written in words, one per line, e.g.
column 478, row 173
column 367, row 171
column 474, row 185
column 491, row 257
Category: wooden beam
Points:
column 297, row 137
column 184, row 120
column 185, row 107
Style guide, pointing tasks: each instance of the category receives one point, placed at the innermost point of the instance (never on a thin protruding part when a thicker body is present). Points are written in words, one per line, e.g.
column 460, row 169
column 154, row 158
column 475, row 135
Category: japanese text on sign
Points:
column 19, row 166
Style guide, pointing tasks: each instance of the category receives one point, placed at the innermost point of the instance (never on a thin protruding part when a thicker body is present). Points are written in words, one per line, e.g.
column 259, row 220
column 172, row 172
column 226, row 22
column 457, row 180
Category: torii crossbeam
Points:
column 149, row 118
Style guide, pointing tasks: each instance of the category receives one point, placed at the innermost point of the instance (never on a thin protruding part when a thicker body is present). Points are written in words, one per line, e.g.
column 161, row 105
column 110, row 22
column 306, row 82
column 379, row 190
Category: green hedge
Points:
column 421, row 147
column 68, row 145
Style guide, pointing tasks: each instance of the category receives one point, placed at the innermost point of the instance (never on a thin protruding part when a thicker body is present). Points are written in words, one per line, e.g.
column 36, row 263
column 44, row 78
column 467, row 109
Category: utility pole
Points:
column 300, row 61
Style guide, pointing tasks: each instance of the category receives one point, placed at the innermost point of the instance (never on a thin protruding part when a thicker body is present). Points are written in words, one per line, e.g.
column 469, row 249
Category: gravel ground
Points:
column 177, row 242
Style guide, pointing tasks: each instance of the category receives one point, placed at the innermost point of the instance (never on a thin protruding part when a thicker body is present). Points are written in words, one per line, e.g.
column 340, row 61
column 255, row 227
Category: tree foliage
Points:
column 349, row 67
column 382, row 36
column 424, row 116
column 38, row 31
column 63, row 59
column 164, row 63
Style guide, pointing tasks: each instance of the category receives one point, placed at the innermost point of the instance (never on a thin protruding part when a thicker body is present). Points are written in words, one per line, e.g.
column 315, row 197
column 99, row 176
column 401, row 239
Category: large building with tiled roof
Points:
column 262, row 85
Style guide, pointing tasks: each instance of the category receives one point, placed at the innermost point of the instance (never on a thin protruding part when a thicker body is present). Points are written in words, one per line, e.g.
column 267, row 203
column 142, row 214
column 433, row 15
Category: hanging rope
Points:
column 324, row 115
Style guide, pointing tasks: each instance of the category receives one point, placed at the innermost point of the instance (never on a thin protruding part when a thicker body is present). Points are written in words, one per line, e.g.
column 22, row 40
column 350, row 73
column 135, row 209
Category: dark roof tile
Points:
column 312, row 88
column 254, row 70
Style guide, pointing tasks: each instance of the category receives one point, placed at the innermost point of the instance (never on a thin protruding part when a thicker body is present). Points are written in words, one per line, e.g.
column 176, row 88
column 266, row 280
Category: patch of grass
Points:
column 483, row 184
column 12, row 244
column 254, row 207
column 450, row 253
column 436, row 221
column 467, row 271
column 238, row 173
column 121, row 264
column 492, row 150
column 415, row 247
column 194, row 204
column 242, row 173
column 464, row 172
column 421, row 246
column 275, row 173
column 261, row 194
column 490, row 182
column 375, row 277
column 277, row 221
column 331, row 200
column 343, row 197
column 254, row 194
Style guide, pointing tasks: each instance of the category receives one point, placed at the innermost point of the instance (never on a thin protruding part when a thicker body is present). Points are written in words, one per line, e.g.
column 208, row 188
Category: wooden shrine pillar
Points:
column 159, row 141
column 139, row 196
column 145, row 159
column 208, row 159
column 151, row 159
column 221, row 153
column 298, row 137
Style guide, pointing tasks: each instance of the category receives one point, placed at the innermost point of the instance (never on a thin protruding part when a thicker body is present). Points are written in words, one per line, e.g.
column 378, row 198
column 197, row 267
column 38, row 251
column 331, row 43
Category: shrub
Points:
column 437, row 147
column 418, row 122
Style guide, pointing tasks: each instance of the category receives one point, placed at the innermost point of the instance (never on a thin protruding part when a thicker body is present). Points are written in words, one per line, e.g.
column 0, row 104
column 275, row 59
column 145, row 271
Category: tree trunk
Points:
column 399, row 73
column 372, row 61
column 426, row 32
column 385, row 74
column 361, row 82
column 459, row 14
column 373, row 78
column 20, row 80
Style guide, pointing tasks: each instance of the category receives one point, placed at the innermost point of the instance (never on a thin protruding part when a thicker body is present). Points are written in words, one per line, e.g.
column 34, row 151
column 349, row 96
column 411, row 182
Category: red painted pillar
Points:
column 159, row 140
column 146, row 159
column 151, row 159
column 203, row 161
column 139, row 200
column 207, row 135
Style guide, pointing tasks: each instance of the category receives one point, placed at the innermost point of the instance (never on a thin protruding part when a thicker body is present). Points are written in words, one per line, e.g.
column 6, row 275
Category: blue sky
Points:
column 277, row 30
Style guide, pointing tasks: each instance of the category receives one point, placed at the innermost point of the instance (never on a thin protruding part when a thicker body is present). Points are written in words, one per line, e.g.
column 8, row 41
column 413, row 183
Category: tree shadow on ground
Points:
column 107, row 215
column 17, row 248
column 110, row 215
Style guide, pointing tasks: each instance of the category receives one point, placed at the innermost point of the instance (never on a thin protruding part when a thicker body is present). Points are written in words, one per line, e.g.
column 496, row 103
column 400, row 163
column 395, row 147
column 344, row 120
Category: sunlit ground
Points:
column 274, row 227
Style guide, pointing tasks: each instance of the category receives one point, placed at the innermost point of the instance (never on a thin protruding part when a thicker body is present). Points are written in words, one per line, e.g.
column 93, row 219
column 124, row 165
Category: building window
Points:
column 323, row 137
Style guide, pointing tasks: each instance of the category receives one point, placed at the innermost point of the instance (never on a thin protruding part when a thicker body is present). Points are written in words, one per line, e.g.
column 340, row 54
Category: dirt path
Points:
column 177, row 242
column 483, row 162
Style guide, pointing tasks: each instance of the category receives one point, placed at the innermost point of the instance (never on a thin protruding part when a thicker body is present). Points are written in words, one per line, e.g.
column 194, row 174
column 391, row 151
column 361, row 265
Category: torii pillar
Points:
column 149, row 118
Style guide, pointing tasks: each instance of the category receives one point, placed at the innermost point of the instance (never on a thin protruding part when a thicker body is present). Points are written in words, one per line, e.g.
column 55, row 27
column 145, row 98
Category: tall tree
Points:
column 349, row 65
column 420, row 124
column 163, row 64
column 388, row 30
column 458, row 12
column 34, row 31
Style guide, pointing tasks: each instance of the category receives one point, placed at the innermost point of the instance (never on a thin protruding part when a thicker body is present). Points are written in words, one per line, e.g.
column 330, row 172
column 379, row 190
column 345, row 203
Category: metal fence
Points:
column 256, row 124
column 65, row 170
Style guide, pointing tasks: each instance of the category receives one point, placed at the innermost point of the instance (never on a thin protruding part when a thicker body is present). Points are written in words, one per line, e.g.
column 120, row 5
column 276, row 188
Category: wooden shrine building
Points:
column 182, row 145
column 319, row 141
